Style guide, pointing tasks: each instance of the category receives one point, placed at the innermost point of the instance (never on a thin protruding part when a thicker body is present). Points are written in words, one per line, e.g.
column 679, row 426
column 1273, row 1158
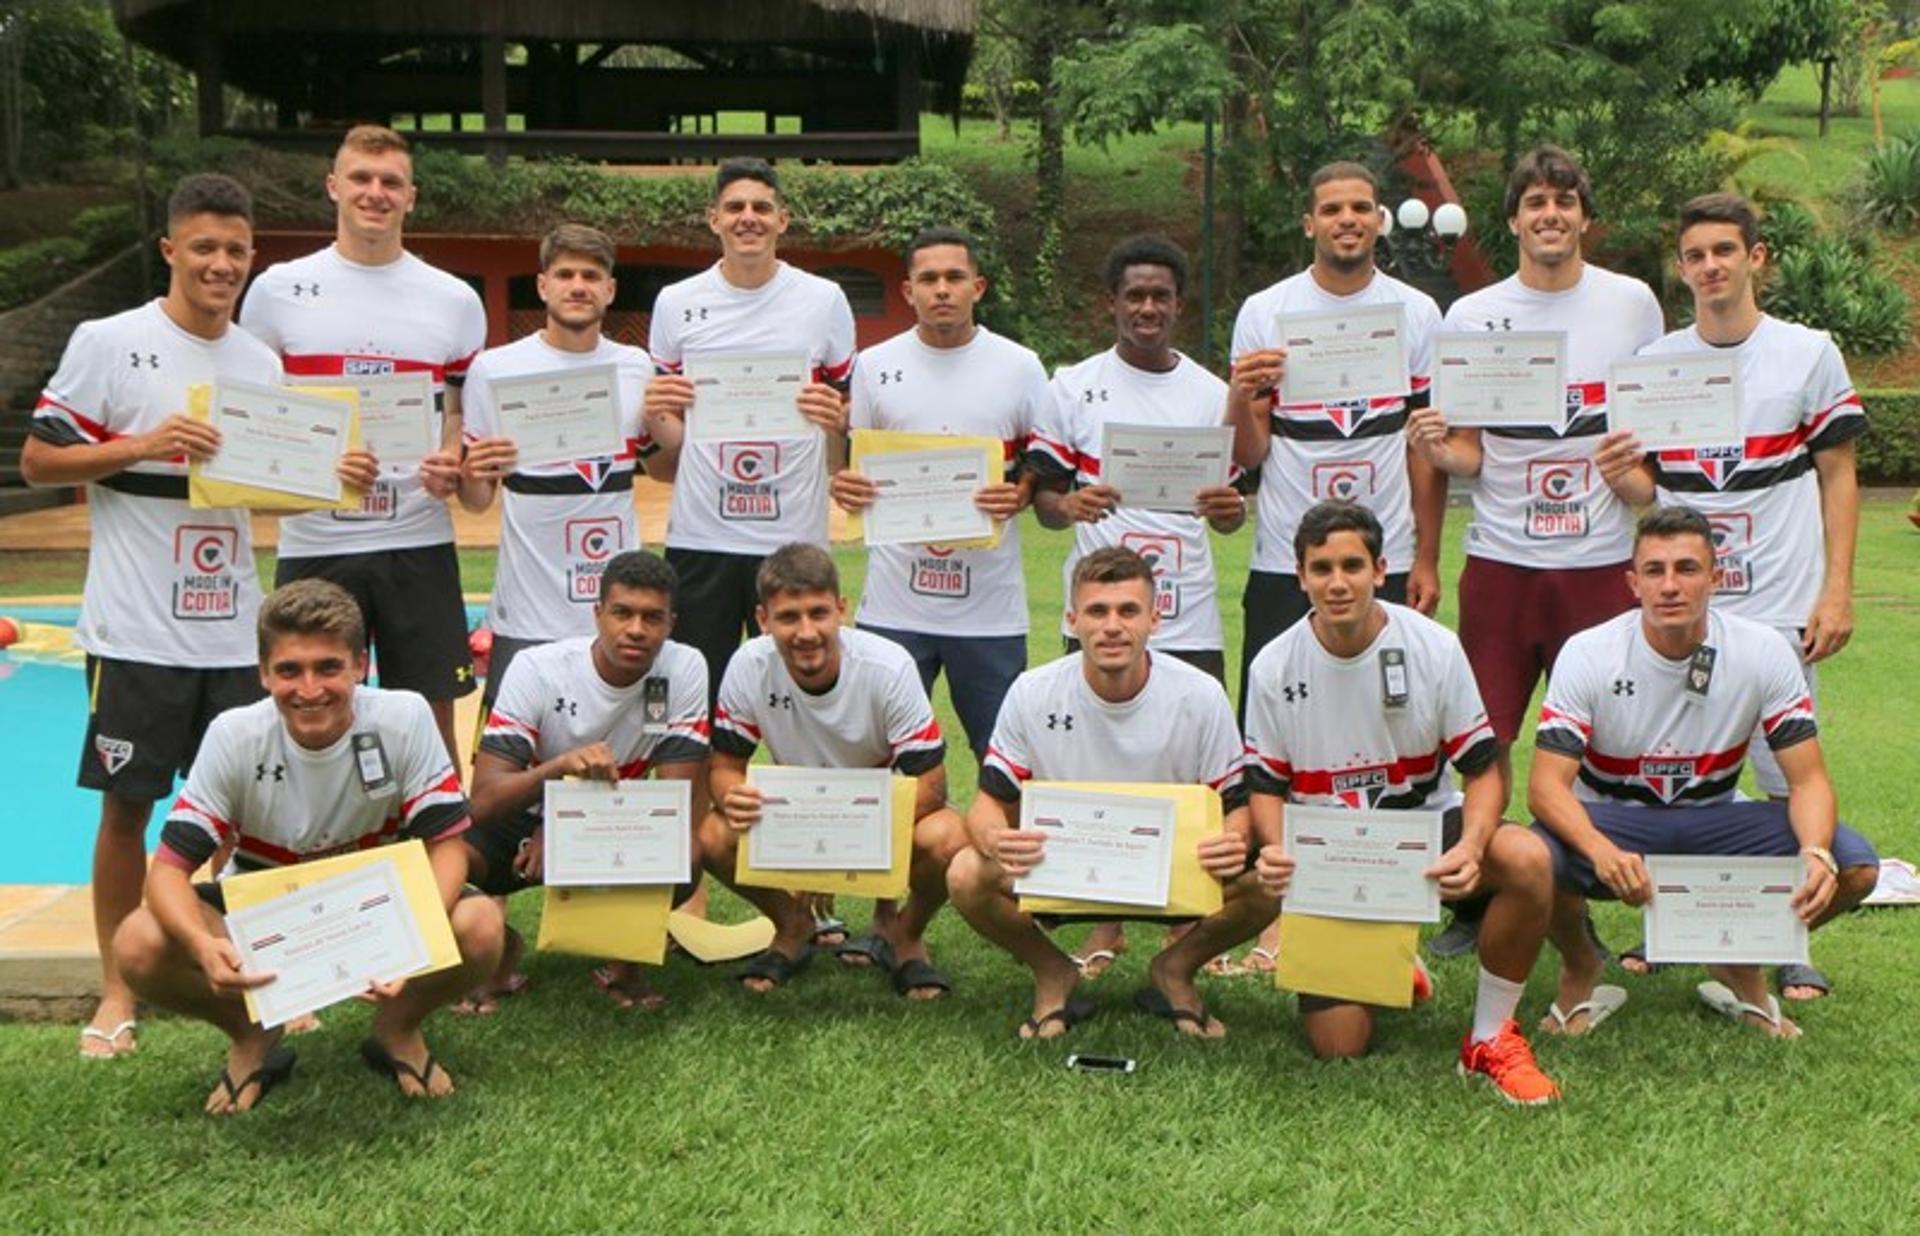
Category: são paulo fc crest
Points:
column 1668, row 775
column 1360, row 788
column 114, row 753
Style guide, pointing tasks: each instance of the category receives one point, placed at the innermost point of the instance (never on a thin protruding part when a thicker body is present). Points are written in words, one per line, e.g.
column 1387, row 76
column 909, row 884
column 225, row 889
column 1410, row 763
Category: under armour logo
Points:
column 1294, row 691
column 1060, row 721
column 1503, row 324
column 152, row 361
column 687, row 315
column 895, row 376
column 1093, row 396
column 462, row 672
column 776, row 700
column 562, row 704
column 1623, row 686
column 278, row 772
column 306, row 289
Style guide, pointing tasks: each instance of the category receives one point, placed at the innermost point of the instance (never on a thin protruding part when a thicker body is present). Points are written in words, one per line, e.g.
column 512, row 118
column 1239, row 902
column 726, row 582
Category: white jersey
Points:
column 327, row 317
column 988, row 387
column 284, row 804
column 1323, row 729
column 1625, row 712
column 876, row 715
column 553, row 701
column 1539, row 501
column 1102, row 390
column 1761, row 495
column 1354, row 448
column 559, row 523
column 752, row 497
column 1178, row 730
column 166, row 584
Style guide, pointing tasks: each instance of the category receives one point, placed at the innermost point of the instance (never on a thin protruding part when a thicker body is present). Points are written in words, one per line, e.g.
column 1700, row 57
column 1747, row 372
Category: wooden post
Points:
column 209, row 81
column 1826, row 93
column 493, row 81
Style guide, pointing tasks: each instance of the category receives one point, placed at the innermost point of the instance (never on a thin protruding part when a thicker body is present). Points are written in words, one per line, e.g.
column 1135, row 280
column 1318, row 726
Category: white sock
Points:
column 1497, row 1001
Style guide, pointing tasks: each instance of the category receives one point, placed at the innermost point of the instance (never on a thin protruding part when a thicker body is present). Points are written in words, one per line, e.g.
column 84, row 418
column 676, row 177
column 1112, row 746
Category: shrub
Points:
column 1830, row 283
column 1888, row 190
column 1788, row 226
column 37, row 267
column 1889, row 452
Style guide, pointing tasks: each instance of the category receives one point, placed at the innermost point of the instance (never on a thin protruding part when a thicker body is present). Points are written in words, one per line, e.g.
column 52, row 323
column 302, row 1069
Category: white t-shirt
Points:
column 559, row 523
column 553, row 701
column 286, row 804
column 1539, row 501
column 327, row 316
column 1321, row 730
column 1351, row 449
column 1178, row 730
column 752, row 497
column 988, row 387
column 876, row 715
column 1762, row 495
column 1625, row 713
column 166, row 584
column 1105, row 389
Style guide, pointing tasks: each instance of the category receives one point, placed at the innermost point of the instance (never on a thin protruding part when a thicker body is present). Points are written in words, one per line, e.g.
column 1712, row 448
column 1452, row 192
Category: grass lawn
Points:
column 833, row 1106
column 1826, row 166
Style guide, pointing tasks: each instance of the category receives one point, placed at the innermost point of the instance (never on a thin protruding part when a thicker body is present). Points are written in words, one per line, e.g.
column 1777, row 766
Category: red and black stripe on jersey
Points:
column 1312, row 423
column 1764, row 460
column 1589, row 420
column 1410, row 781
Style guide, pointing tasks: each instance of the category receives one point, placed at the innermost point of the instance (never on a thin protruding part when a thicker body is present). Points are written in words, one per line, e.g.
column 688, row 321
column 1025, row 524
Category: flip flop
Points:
column 1069, row 1015
column 1639, row 953
column 1720, row 998
column 276, row 1068
column 93, row 1033
column 1798, row 974
column 829, row 932
column 872, row 950
column 623, row 996
column 384, row 1062
column 1153, row 1000
column 1260, row 960
column 913, row 974
column 1105, row 956
column 1605, row 1001
column 775, row 967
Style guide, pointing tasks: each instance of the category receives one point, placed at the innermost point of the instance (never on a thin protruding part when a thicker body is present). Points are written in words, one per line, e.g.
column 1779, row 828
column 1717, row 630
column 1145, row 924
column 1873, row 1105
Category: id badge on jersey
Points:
column 370, row 759
column 1393, row 677
column 653, row 706
column 1700, row 674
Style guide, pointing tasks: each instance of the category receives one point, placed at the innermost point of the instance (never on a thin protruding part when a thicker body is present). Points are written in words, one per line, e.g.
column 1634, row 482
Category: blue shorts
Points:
column 1757, row 829
column 980, row 669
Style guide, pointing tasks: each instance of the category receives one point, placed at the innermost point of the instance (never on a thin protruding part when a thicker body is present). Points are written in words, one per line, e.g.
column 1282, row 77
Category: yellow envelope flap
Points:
column 417, row 885
column 884, row 441
column 1191, row 892
column 626, row 923
column 204, row 492
column 709, row 942
column 1347, row 959
column 891, row 883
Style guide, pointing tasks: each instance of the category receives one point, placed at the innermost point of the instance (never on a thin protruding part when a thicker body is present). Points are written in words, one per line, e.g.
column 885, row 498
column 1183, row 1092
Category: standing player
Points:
column 1647, row 720
column 166, row 620
column 1354, row 449
column 561, row 523
column 961, row 609
column 736, row 502
column 1784, row 503
column 1363, row 706
column 1112, row 711
column 1549, row 544
column 364, row 305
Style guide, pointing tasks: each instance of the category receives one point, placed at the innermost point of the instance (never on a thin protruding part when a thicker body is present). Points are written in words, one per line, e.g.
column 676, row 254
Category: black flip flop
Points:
column 1153, row 1000
column 276, row 1068
column 829, row 932
column 384, row 1062
column 1069, row 1015
column 1639, row 953
column 873, row 947
column 914, row 974
column 1799, row 974
column 775, row 967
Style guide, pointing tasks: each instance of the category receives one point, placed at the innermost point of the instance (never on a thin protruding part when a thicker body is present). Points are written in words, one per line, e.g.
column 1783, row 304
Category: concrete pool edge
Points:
column 49, row 964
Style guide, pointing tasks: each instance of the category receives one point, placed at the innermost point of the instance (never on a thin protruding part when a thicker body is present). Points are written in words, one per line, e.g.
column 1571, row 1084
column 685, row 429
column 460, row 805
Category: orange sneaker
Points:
column 1422, row 983
column 1507, row 1061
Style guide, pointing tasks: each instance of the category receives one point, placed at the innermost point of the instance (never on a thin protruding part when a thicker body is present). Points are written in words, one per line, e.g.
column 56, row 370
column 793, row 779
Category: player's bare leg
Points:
column 982, row 892
column 119, row 875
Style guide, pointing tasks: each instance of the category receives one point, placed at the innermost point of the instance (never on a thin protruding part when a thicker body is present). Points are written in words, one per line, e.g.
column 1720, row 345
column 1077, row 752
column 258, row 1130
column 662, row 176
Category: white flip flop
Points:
column 1605, row 1001
column 1100, row 954
column 107, row 1037
column 1720, row 998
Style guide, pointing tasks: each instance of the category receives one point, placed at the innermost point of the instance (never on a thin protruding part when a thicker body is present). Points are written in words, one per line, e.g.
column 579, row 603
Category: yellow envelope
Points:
column 417, row 885
column 882, row 884
column 205, row 492
column 1346, row 959
column 1191, row 893
column 880, row 441
column 710, row 942
column 626, row 923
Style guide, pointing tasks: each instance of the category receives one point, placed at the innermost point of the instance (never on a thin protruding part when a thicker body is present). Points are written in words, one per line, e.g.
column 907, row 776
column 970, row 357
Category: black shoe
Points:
column 1461, row 937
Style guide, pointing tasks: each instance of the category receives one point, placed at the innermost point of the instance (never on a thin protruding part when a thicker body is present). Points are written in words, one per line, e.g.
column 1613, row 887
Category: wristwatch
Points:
column 1824, row 855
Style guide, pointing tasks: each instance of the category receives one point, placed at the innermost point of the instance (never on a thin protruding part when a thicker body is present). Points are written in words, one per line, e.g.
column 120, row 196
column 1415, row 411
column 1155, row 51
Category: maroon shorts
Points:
column 1514, row 619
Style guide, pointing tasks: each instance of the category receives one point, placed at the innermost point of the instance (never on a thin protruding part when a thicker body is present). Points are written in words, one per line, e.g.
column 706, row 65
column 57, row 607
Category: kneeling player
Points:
column 1367, row 697
column 281, row 781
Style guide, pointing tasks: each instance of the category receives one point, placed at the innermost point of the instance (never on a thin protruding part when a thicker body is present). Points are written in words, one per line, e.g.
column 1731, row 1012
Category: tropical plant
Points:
column 1831, row 283
column 1887, row 193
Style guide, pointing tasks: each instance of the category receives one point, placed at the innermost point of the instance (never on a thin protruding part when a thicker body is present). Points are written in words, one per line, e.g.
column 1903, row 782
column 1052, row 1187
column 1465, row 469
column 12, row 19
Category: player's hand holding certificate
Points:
column 741, row 397
column 630, row 832
column 1729, row 911
column 561, row 416
column 277, row 439
column 328, row 941
column 1505, row 377
column 397, row 419
column 1099, row 847
column 926, row 496
column 1347, row 354
column 1673, row 402
column 1161, row 468
column 822, row 819
column 1363, row 864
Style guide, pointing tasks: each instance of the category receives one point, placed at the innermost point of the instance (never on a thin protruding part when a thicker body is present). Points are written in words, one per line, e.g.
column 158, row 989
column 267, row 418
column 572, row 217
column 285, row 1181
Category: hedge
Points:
column 1889, row 452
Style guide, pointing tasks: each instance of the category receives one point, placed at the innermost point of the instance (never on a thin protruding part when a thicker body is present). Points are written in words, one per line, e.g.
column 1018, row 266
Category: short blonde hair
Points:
column 373, row 139
column 311, row 607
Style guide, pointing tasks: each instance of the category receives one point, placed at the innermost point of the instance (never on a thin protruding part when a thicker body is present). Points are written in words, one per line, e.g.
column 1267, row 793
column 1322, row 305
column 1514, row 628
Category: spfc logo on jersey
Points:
column 1557, row 498
column 1343, row 481
column 1733, row 552
column 114, row 753
column 204, row 587
column 594, row 471
column 1360, row 788
column 1717, row 463
column 362, row 366
column 1346, row 413
column 747, row 470
column 590, row 542
column 1165, row 554
column 1668, row 775
column 935, row 572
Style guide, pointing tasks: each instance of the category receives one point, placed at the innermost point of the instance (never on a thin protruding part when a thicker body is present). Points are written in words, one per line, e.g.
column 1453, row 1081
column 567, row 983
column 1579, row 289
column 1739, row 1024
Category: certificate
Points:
column 1100, row 847
column 738, row 396
column 926, row 496
column 1348, row 354
column 1671, row 402
column 328, row 941
column 1158, row 468
column 1363, row 864
column 1729, row 911
column 397, row 417
column 1506, row 377
column 560, row 416
column 823, row 819
column 278, row 439
column 632, row 832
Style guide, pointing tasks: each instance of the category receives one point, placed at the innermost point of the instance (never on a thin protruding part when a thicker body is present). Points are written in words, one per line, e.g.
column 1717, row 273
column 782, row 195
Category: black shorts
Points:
column 145, row 722
column 1274, row 601
column 505, row 649
column 714, row 608
column 416, row 618
column 498, row 844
